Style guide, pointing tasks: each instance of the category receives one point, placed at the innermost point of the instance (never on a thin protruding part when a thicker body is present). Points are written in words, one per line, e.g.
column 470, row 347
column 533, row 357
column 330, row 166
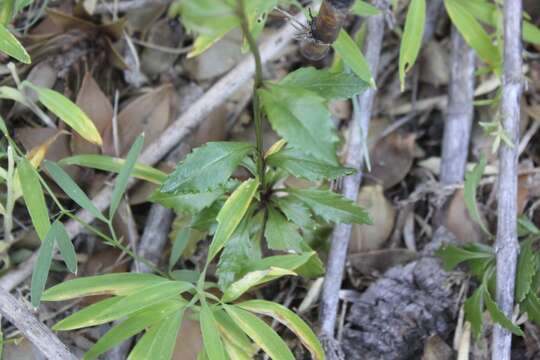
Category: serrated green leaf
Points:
column 231, row 214
column 498, row 316
column 159, row 341
column 295, row 211
column 412, row 37
column 474, row 308
column 353, row 57
column 68, row 112
column 11, row 46
column 112, row 164
column 281, row 234
column 305, row 167
column 252, row 279
column 132, row 326
column 89, row 316
column 67, row 250
column 121, row 182
column 331, row 206
column 213, row 344
column 326, row 84
column 472, row 180
column 33, row 197
column 526, row 269
column 72, row 189
column 119, row 284
column 473, row 33
column 190, row 203
column 42, row 267
column 302, row 118
column 260, row 333
column 452, row 256
column 207, row 167
column 362, row 8
column 289, row 319
column 531, row 305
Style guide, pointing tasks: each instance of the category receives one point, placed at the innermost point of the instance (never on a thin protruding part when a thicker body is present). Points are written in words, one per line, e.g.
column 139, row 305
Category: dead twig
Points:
column 355, row 154
column 33, row 329
column 506, row 245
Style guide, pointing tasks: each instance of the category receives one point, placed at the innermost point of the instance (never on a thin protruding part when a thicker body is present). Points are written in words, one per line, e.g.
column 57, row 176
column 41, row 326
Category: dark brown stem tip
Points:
column 341, row 4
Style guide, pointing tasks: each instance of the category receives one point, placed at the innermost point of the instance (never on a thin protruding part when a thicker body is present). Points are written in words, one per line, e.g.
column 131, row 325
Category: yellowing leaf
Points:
column 11, row 46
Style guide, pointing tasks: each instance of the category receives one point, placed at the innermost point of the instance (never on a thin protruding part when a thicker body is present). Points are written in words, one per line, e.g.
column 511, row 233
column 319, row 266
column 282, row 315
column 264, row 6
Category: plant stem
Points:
column 257, row 113
column 507, row 246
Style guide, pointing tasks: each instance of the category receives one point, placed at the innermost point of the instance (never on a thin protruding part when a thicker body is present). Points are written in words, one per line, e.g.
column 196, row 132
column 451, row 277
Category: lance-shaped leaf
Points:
column 109, row 284
column 211, row 338
column 68, row 112
column 472, row 180
column 331, row 206
column 231, row 214
column 289, row 319
column 305, row 167
column 262, row 334
column 325, row 83
column 474, row 309
column 33, row 197
column 353, row 57
column 67, row 250
column 72, row 189
column 252, row 279
column 207, row 167
column 11, row 46
column 497, row 315
column 412, row 37
column 526, row 269
column 42, row 267
column 159, row 341
column 302, row 118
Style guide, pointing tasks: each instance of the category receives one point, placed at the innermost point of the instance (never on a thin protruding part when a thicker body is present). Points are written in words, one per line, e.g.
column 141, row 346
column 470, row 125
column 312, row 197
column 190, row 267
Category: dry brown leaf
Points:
column 162, row 33
column 189, row 340
column 380, row 260
column 373, row 237
column 392, row 158
column 434, row 61
column 457, row 220
column 148, row 114
column 437, row 349
column 98, row 107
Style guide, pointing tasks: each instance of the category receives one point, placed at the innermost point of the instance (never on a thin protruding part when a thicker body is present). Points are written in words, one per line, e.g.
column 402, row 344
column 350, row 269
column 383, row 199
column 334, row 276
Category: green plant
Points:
column 480, row 263
column 243, row 217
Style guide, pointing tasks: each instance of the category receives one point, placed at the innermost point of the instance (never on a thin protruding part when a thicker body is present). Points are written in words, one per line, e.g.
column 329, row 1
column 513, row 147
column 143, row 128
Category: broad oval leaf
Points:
column 260, row 333
column 132, row 326
column 289, row 319
column 33, row 197
column 109, row 284
column 231, row 214
column 122, row 179
column 412, row 37
column 207, row 167
column 72, row 189
column 112, row 164
column 68, row 112
column 353, row 57
column 213, row 344
column 159, row 341
column 11, row 46
column 331, row 206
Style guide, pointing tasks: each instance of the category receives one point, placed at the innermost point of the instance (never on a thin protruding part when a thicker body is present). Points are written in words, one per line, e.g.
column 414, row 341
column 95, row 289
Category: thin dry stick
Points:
column 33, row 329
column 507, row 243
column 354, row 159
column 459, row 116
column 181, row 128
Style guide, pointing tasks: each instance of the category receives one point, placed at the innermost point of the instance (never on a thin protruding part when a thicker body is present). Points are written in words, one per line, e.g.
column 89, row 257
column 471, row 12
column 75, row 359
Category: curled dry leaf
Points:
column 148, row 114
column 437, row 349
column 98, row 108
column 392, row 158
column 457, row 220
column 373, row 237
